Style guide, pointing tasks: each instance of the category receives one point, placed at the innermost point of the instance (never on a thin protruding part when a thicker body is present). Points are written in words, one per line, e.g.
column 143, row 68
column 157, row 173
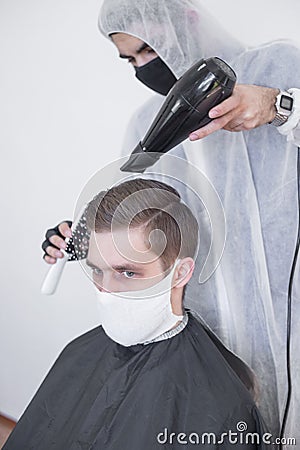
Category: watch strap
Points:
column 279, row 119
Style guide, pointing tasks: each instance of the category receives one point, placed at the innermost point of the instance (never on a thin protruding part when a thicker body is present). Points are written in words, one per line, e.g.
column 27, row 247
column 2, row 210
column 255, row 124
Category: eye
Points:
column 128, row 274
column 96, row 271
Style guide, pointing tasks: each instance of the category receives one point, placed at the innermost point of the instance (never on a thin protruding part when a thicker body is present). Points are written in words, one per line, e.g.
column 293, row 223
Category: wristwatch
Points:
column 284, row 107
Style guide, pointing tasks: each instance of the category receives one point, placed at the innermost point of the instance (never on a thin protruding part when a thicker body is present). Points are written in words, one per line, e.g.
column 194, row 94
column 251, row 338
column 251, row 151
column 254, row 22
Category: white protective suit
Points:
column 255, row 175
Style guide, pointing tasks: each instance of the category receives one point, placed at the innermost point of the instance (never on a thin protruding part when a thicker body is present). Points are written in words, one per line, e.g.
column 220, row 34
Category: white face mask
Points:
column 136, row 317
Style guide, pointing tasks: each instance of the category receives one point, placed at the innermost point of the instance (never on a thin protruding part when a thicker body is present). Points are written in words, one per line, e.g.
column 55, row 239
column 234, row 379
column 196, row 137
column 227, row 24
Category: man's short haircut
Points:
column 150, row 205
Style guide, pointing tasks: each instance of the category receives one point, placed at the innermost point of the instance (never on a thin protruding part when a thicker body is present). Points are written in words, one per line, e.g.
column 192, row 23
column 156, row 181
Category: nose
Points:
column 105, row 284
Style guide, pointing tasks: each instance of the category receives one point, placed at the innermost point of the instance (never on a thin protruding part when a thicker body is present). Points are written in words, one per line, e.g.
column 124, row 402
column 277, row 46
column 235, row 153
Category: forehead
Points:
column 119, row 247
column 126, row 43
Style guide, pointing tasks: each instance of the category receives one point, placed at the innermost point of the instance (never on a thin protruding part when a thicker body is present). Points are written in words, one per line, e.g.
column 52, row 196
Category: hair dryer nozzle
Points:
column 140, row 160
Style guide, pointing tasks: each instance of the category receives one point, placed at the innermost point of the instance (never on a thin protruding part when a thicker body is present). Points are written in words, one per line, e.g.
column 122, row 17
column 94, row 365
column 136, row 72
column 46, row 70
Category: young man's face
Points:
column 137, row 52
column 121, row 262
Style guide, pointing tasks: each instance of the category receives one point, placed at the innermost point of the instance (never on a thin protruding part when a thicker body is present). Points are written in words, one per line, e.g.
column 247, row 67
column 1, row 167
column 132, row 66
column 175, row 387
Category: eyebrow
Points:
column 138, row 51
column 90, row 264
column 118, row 268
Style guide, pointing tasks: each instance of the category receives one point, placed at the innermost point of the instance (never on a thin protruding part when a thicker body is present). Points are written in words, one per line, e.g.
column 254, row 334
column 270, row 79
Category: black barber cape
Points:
column 179, row 393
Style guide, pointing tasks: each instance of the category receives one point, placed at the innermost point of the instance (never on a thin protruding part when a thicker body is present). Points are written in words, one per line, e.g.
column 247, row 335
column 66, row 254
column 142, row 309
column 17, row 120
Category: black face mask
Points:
column 156, row 75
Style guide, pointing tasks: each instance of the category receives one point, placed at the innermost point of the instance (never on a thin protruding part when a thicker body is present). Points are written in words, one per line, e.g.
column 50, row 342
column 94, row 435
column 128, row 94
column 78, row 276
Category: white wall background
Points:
column 65, row 99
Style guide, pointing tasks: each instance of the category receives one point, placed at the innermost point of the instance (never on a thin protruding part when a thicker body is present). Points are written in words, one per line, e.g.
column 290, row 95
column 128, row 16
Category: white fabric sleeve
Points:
column 140, row 122
column 291, row 128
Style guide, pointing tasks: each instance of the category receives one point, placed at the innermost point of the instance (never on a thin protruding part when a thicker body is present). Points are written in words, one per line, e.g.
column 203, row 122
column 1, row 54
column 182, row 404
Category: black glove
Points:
column 55, row 231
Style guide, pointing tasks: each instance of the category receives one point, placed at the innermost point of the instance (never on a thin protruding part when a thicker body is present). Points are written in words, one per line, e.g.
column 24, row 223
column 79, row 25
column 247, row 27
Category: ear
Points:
column 183, row 272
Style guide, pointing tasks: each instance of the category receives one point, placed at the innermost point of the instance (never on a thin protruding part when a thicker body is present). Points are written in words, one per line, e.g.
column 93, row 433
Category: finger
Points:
column 51, row 232
column 49, row 259
column 211, row 127
column 58, row 242
column 65, row 229
column 54, row 252
column 224, row 107
column 234, row 126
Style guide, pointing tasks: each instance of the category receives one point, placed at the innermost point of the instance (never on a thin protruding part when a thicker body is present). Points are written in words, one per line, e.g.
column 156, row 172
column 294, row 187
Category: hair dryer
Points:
column 185, row 109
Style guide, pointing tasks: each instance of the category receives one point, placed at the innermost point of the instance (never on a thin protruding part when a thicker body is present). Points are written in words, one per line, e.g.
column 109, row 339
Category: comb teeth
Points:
column 78, row 244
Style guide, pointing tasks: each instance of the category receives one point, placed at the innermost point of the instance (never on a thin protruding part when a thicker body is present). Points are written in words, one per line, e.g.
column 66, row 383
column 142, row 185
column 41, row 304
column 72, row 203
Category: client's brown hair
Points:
column 152, row 205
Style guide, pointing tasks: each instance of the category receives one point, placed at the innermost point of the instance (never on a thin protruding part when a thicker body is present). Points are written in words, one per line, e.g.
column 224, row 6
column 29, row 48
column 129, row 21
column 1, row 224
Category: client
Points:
column 152, row 376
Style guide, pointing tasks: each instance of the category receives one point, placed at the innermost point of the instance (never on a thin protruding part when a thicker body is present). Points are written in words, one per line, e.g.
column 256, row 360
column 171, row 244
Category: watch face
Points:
column 286, row 102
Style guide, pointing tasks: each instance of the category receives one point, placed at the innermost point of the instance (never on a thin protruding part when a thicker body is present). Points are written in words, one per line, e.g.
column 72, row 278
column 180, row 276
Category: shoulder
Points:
column 81, row 344
column 195, row 351
column 270, row 65
column 192, row 359
column 274, row 50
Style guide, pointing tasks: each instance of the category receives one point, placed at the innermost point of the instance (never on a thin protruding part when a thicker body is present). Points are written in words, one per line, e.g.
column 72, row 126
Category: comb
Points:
column 77, row 248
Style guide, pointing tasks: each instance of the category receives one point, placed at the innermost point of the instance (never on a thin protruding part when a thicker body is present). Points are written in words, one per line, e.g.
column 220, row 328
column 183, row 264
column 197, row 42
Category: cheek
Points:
column 97, row 279
column 150, row 56
column 144, row 58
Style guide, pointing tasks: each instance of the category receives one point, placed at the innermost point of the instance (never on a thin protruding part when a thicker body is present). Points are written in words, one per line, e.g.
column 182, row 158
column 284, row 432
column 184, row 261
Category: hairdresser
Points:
column 249, row 153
